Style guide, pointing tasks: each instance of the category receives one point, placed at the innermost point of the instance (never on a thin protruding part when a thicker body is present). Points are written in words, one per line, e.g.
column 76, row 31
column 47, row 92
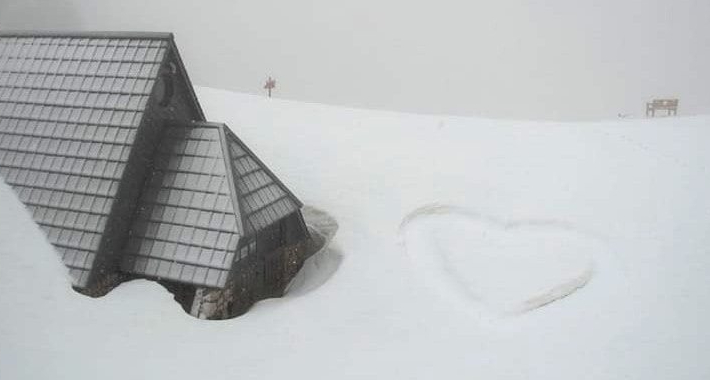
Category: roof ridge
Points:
column 86, row 34
column 231, row 177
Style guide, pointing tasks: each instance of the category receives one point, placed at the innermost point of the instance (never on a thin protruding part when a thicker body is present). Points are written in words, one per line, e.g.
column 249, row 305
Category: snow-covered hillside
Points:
column 458, row 240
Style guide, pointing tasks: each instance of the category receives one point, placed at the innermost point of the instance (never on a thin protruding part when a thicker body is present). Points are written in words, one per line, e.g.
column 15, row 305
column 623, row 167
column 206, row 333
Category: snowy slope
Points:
column 431, row 212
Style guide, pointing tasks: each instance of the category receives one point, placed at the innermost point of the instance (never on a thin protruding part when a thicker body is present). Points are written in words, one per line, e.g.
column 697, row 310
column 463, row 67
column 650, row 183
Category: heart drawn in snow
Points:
column 509, row 268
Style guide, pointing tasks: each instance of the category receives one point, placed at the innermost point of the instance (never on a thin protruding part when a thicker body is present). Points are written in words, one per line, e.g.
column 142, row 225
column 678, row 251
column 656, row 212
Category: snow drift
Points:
column 640, row 186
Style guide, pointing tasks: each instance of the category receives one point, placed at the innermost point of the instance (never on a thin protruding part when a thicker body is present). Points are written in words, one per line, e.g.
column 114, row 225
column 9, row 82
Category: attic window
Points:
column 165, row 87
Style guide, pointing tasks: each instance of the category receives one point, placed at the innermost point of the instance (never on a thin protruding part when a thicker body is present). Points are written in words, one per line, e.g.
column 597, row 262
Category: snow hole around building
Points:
column 323, row 260
column 502, row 268
column 324, row 257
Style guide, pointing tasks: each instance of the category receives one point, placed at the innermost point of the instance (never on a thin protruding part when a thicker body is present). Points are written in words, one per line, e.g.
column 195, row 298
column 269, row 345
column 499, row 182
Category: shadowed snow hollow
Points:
column 508, row 267
column 322, row 264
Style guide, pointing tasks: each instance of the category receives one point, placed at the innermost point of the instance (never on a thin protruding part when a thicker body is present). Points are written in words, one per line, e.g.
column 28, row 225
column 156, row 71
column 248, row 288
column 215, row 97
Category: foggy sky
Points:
column 515, row 59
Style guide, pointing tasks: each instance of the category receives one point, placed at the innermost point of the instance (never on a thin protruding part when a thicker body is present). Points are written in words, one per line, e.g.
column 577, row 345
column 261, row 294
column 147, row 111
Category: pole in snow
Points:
column 270, row 84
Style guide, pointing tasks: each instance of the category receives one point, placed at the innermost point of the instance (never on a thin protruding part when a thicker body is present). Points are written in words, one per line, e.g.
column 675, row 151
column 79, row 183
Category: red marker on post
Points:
column 270, row 84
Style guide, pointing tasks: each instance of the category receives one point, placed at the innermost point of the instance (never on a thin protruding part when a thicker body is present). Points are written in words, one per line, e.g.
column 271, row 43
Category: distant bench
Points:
column 670, row 105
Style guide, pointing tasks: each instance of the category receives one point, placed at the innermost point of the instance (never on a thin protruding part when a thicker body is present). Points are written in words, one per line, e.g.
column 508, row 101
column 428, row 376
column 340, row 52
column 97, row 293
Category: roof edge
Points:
column 263, row 165
column 86, row 34
column 209, row 124
column 228, row 132
column 229, row 171
column 186, row 78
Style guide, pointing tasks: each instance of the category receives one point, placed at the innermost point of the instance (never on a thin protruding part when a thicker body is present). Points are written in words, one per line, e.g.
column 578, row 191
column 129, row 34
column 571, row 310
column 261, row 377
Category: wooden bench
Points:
column 670, row 105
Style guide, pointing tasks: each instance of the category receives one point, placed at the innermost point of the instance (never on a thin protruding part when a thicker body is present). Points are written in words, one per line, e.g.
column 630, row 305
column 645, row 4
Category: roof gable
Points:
column 207, row 191
column 187, row 229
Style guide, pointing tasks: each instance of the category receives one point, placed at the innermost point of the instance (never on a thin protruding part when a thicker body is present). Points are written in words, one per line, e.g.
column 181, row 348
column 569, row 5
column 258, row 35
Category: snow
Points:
column 323, row 263
column 506, row 267
column 626, row 198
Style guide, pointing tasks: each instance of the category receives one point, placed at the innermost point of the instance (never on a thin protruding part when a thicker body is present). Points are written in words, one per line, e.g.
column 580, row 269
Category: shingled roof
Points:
column 71, row 105
column 207, row 191
column 116, row 176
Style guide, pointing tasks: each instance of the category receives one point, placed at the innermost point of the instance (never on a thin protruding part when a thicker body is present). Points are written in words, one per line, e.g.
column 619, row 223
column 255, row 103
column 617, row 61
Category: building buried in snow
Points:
column 104, row 141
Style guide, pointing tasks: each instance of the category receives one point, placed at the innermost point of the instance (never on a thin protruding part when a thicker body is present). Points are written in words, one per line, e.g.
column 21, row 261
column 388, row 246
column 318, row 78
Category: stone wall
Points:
column 104, row 284
column 246, row 286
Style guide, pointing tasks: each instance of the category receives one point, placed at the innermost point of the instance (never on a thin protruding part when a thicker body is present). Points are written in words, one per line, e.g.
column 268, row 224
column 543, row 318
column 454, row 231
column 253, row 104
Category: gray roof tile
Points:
column 189, row 218
column 183, row 206
column 69, row 108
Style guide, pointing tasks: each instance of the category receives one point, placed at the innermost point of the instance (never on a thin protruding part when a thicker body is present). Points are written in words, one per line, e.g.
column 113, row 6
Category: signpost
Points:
column 270, row 84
